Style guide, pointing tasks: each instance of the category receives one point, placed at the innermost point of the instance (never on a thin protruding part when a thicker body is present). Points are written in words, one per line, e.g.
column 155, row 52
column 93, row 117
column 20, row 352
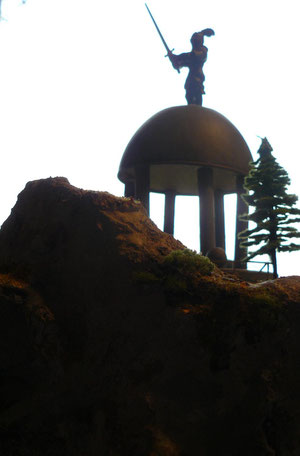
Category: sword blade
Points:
column 157, row 28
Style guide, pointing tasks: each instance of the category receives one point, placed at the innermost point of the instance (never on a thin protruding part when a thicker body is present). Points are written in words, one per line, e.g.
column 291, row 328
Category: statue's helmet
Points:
column 199, row 36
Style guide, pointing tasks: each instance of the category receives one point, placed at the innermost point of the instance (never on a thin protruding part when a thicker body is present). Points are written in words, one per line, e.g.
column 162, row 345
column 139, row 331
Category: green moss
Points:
column 145, row 278
column 181, row 270
column 266, row 313
column 266, row 299
column 188, row 261
column 178, row 273
column 175, row 283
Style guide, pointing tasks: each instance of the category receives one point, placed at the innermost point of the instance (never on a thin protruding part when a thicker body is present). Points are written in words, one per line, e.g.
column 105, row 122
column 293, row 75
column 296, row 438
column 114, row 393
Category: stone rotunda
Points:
column 189, row 150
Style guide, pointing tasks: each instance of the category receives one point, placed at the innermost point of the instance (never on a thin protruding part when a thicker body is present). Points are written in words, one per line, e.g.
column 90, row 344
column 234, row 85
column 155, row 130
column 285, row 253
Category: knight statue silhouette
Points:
column 194, row 61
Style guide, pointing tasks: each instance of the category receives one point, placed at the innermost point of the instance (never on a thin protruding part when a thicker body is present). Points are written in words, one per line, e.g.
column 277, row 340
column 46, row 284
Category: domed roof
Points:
column 188, row 135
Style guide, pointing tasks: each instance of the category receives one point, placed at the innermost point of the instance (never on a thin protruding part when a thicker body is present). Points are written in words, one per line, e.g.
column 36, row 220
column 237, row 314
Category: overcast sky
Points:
column 78, row 78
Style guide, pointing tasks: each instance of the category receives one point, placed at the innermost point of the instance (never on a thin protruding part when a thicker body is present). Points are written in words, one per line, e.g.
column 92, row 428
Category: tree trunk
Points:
column 273, row 240
column 274, row 263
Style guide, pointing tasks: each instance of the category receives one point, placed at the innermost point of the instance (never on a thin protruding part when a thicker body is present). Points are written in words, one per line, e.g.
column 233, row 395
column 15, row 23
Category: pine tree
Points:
column 274, row 211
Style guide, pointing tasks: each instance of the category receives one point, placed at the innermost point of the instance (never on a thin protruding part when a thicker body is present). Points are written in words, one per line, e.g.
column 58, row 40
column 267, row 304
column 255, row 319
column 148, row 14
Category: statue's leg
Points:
column 194, row 94
column 189, row 97
column 199, row 99
column 194, row 97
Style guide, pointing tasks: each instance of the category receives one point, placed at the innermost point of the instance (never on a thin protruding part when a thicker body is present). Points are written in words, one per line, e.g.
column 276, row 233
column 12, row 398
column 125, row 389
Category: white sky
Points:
column 78, row 78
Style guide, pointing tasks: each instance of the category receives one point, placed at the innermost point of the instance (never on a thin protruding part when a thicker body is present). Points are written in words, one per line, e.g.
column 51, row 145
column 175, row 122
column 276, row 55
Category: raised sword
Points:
column 160, row 34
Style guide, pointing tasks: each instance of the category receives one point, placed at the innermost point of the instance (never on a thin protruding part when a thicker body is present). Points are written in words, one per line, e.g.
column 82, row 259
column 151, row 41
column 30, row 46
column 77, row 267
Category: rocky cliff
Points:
column 106, row 349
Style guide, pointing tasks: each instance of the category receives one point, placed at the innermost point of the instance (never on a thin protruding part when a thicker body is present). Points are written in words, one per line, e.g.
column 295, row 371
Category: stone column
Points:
column 169, row 211
column 241, row 208
column 142, row 185
column 219, row 217
column 129, row 189
column 207, row 210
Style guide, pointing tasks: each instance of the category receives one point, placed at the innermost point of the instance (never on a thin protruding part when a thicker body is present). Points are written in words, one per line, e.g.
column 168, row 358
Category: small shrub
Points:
column 188, row 261
column 175, row 283
column 145, row 277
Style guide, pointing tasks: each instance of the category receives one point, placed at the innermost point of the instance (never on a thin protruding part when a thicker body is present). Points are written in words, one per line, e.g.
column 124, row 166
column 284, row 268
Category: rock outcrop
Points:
column 101, row 354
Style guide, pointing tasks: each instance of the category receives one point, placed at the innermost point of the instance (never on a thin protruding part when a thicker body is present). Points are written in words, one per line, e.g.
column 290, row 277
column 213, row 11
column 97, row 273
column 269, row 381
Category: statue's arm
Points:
column 204, row 52
column 181, row 60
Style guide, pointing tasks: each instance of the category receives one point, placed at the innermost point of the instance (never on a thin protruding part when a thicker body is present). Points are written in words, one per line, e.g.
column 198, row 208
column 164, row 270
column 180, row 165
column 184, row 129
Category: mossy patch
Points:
column 145, row 277
column 188, row 261
column 178, row 273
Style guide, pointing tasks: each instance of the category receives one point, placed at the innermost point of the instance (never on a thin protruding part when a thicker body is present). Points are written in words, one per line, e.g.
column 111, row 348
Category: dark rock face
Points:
column 97, row 362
